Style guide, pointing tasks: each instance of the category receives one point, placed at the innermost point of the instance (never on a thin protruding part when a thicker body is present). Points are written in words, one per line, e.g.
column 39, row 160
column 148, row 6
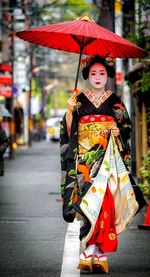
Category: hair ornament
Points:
column 85, row 61
column 109, row 61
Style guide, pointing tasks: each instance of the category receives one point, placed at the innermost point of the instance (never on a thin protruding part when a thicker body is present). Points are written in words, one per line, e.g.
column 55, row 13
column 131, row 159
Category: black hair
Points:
column 97, row 59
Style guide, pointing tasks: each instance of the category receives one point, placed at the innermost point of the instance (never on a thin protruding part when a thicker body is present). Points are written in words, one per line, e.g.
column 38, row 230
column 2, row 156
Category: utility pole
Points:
column 12, row 123
column 7, row 24
column 26, row 11
column 30, row 123
column 106, row 17
column 106, row 20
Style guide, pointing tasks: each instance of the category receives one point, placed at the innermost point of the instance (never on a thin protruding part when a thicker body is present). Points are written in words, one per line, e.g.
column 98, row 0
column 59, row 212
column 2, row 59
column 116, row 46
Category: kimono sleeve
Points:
column 64, row 145
column 124, row 125
column 68, row 149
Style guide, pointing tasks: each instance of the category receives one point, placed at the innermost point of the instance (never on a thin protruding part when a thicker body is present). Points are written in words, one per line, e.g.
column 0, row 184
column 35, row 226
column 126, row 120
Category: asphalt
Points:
column 32, row 231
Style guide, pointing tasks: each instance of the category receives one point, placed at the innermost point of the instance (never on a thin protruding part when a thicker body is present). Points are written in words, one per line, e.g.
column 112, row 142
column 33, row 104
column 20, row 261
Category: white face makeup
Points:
column 98, row 76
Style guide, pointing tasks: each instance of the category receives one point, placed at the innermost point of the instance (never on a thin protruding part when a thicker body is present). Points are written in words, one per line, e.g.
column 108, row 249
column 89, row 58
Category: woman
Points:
column 95, row 157
column 3, row 146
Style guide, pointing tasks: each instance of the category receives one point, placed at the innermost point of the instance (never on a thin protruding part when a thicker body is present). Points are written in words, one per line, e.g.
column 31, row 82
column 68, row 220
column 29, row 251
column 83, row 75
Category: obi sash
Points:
column 93, row 129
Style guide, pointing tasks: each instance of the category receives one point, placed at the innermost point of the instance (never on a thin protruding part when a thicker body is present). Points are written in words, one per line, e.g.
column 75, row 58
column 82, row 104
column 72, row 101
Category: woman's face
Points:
column 98, row 76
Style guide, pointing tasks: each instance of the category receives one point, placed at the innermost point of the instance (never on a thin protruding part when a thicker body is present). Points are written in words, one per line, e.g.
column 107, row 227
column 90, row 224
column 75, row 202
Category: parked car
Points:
column 53, row 129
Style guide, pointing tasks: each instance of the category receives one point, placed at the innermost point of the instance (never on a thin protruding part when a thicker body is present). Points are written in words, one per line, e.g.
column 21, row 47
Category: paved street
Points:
column 31, row 227
column 32, row 231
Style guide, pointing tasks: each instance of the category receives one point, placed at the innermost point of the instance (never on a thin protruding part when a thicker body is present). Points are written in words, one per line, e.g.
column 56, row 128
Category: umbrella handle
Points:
column 77, row 75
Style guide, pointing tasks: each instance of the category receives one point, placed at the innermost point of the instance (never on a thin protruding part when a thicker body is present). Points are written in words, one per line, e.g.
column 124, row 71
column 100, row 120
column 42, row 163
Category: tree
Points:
column 58, row 11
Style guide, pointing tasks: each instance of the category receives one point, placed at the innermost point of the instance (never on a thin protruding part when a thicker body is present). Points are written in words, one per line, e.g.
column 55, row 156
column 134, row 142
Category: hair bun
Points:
column 108, row 62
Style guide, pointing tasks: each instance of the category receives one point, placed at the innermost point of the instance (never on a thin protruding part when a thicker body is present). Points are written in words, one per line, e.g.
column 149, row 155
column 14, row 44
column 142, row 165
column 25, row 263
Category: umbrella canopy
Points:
column 4, row 112
column 84, row 33
column 82, row 36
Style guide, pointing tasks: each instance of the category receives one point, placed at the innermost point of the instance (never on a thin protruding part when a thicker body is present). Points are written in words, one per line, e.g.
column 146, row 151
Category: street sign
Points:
column 14, row 90
column 5, row 67
column 5, row 80
column 118, row 78
column 6, row 92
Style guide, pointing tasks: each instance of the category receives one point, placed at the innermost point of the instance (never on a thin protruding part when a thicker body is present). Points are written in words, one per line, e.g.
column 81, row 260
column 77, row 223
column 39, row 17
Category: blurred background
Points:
column 35, row 82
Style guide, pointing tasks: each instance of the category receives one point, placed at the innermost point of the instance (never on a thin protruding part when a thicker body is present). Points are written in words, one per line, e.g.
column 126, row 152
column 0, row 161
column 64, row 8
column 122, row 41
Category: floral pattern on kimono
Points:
column 81, row 173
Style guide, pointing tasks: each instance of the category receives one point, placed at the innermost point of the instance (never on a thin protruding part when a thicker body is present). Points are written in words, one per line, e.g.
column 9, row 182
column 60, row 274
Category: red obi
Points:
column 96, row 118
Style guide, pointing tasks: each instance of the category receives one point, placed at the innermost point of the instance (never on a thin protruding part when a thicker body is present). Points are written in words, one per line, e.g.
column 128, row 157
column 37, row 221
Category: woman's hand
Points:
column 71, row 103
column 115, row 131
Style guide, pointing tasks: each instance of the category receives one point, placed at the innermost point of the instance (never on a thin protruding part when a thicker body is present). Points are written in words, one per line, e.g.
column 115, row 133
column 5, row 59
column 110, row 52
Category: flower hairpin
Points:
column 109, row 61
column 85, row 61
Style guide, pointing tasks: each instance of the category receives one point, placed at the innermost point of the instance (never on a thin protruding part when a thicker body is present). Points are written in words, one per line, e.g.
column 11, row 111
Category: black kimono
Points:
column 93, row 161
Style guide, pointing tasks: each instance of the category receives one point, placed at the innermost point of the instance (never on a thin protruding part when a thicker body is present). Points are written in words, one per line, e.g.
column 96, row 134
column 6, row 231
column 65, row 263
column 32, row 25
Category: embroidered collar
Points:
column 97, row 101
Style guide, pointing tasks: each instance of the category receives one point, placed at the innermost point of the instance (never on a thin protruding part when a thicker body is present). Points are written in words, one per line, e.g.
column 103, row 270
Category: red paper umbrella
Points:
column 82, row 36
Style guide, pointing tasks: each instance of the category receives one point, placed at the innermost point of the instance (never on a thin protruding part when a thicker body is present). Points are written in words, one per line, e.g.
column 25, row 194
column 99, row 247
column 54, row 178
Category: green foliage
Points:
column 134, row 38
column 145, row 172
column 145, row 82
column 36, row 88
column 75, row 8
column 58, row 103
column 141, row 36
column 140, row 39
column 148, row 115
column 66, row 10
column 62, row 98
column 144, row 4
column 37, row 117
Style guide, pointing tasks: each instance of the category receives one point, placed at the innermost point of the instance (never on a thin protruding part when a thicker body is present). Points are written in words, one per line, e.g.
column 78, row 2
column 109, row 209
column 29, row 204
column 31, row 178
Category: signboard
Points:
column 5, row 67
column 35, row 105
column 6, row 92
column 14, row 90
column 118, row 78
column 118, row 6
column 5, row 80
